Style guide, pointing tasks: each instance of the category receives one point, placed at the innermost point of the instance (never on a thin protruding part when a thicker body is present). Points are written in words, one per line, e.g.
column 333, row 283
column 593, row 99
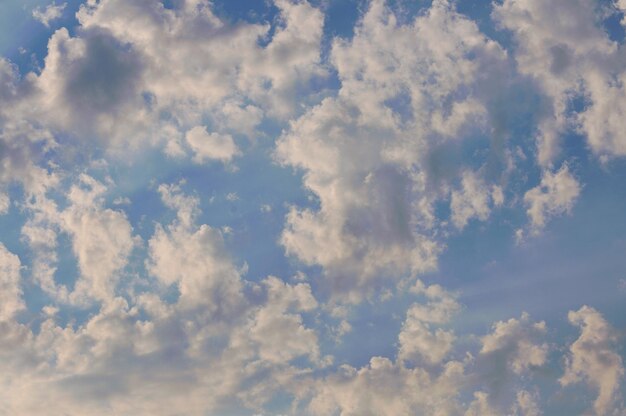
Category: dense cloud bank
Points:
column 409, row 132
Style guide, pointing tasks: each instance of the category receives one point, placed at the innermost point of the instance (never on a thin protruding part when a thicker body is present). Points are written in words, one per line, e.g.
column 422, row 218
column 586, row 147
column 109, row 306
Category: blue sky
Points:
column 324, row 207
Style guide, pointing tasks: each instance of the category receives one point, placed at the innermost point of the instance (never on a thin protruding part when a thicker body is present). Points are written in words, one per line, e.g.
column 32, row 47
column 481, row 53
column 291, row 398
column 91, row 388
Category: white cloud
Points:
column 50, row 13
column 232, row 196
column 5, row 203
column 125, row 356
column 474, row 199
column 279, row 332
column 480, row 406
column 193, row 258
column 101, row 240
column 510, row 356
column 10, row 285
column 91, row 86
column 186, row 207
column 563, row 45
column 386, row 388
column 184, row 63
column 23, row 142
column 210, row 146
column 593, row 359
column 371, row 153
column 555, row 195
column 517, row 343
column 418, row 341
column 421, row 119
column 440, row 307
column 526, row 404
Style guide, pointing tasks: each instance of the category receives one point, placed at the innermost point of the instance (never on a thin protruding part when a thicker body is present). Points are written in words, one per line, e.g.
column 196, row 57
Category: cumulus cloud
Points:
column 517, row 344
column 91, row 85
column 10, row 291
column 140, row 74
column 372, row 153
column 24, row 143
column 555, row 195
column 403, row 134
column 192, row 65
column 474, row 199
column 526, row 404
column 418, row 341
column 101, row 239
column 480, row 406
column 563, row 45
column 210, row 146
column 593, row 359
column 435, row 387
column 193, row 258
column 5, row 203
column 387, row 388
column 136, row 348
column 49, row 13
column 511, row 353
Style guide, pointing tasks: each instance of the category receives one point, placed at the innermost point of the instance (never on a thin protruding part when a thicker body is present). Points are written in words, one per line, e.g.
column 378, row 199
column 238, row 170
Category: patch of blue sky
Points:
column 375, row 328
column 244, row 10
column 341, row 16
column 577, row 260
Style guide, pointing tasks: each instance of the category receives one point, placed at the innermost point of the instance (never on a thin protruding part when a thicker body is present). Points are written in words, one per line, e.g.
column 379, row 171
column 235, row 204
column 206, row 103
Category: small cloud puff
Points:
column 50, row 13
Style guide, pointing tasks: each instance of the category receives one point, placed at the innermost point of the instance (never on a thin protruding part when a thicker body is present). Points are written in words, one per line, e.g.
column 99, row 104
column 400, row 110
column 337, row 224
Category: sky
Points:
column 322, row 207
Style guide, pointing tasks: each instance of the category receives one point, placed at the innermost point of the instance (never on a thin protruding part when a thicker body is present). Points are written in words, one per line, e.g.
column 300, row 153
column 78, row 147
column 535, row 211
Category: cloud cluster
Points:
column 405, row 133
column 563, row 45
column 221, row 335
column 381, row 152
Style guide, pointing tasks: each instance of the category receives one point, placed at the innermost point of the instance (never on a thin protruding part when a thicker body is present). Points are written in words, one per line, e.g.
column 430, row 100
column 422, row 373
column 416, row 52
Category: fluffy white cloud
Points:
column 10, row 287
column 374, row 154
column 480, row 406
column 593, row 359
column 210, row 146
column 509, row 356
column 526, row 404
column 101, row 239
column 278, row 329
column 563, row 45
column 418, row 341
column 192, row 65
column 386, row 388
column 91, row 85
column 193, row 258
column 517, row 343
column 5, row 203
column 223, row 342
column 139, row 74
column 24, row 143
column 555, row 195
column 50, row 13
column 474, row 199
